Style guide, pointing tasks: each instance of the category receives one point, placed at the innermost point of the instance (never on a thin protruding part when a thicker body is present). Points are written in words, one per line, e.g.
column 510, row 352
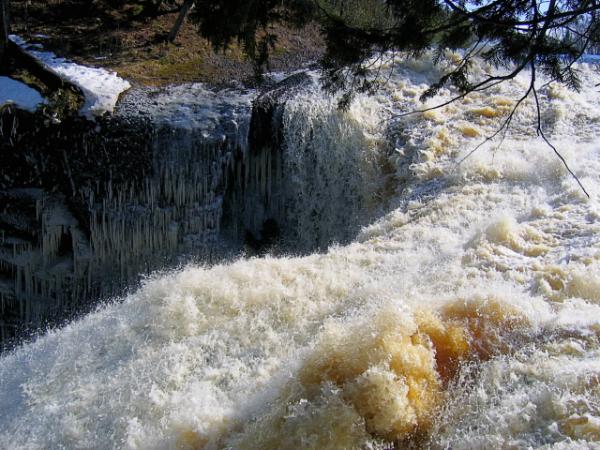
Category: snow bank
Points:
column 13, row 91
column 100, row 87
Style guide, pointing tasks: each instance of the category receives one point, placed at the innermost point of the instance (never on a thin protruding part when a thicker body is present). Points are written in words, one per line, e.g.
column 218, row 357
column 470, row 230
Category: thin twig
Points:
column 541, row 133
column 505, row 126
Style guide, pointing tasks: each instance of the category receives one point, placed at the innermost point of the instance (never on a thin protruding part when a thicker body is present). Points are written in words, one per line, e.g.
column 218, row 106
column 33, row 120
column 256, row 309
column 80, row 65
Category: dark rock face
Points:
column 3, row 27
column 72, row 153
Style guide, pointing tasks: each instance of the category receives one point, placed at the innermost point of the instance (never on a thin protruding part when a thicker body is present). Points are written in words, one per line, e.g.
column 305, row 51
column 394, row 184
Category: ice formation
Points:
column 51, row 264
column 467, row 317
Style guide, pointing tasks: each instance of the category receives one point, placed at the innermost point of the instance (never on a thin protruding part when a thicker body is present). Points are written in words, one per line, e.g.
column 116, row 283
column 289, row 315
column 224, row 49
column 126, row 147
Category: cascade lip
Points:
column 192, row 106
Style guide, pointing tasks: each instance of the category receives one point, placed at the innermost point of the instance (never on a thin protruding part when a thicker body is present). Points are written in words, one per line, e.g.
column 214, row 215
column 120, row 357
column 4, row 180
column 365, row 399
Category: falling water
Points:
column 466, row 317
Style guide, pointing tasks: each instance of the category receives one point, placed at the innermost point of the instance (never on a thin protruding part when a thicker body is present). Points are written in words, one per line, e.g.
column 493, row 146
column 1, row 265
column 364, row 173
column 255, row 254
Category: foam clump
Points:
column 505, row 238
column 558, row 282
column 381, row 380
column 582, row 427
column 191, row 440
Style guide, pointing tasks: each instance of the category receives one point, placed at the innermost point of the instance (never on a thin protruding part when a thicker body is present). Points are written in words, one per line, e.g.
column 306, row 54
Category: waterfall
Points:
column 318, row 172
column 205, row 175
column 465, row 316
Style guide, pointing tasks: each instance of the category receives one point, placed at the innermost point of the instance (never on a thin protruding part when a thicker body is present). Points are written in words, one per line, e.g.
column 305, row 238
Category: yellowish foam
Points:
column 191, row 440
column 503, row 101
column 434, row 116
column 585, row 284
column 381, row 380
column 487, row 112
column 560, row 282
column 581, row 427
column 468, row 130
column 523, row 239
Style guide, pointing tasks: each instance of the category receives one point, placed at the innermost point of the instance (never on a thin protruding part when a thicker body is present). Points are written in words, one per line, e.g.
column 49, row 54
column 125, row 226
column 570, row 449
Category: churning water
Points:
column 467, row 317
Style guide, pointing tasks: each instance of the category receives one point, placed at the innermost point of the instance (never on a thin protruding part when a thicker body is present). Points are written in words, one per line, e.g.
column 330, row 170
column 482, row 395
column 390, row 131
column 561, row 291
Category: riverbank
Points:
column 135, row 46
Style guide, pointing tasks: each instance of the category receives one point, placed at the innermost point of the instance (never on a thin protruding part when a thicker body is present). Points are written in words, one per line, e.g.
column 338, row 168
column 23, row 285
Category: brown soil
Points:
column 134, row 46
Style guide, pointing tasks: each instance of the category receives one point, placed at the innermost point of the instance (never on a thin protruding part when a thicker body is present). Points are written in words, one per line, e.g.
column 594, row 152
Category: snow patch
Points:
column 15, row 92
column 100, row 87
column 589, row 58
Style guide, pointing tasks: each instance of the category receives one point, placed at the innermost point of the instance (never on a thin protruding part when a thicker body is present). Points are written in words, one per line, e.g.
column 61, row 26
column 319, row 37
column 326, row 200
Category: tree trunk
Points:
column 3, row 28
column 188, row 4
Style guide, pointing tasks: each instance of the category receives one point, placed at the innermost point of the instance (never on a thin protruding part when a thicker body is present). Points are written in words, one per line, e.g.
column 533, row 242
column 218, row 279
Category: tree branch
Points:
column 541, row 133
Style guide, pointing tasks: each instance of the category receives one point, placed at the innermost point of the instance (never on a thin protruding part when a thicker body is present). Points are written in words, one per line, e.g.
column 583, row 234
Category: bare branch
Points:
column 541, row 133
column 504, row 127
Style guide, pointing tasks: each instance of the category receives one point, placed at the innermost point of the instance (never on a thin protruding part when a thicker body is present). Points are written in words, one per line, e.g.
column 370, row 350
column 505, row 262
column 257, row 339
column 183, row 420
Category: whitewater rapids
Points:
column 467, row 317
